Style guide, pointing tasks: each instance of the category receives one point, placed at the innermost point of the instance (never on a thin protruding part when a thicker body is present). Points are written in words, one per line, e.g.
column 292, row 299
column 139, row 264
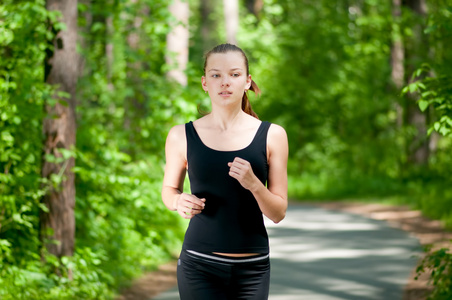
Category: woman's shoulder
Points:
column 176, row 133
column 276, row 135
column 276, row 130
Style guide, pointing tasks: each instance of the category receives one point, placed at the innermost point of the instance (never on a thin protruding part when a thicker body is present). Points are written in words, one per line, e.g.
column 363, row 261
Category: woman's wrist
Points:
column 256, row 186
column 176, row 201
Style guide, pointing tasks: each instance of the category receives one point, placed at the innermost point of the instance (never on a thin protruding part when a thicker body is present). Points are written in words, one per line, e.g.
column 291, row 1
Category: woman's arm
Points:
column 272, row 200
column 175, row 170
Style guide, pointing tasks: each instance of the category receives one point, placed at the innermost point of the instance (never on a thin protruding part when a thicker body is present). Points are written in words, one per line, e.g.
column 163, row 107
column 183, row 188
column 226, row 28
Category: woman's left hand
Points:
column 241, row 170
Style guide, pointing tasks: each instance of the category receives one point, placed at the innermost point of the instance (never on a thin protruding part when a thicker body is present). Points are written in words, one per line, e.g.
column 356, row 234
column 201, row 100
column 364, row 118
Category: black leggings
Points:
column 208, row 277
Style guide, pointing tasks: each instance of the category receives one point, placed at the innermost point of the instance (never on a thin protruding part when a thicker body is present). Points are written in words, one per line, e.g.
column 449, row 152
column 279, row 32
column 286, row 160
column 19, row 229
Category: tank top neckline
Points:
column 227, row 151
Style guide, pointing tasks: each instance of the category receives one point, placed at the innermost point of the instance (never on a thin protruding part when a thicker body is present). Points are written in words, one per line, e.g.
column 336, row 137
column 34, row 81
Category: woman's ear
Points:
column 248, row 82
column 204, row 83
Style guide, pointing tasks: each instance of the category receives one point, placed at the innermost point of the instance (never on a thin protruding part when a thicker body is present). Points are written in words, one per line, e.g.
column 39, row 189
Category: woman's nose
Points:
column 225, row 82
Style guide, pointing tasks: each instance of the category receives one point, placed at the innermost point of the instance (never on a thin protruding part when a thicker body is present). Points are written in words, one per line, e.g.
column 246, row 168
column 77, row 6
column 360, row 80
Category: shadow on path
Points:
column 320, row 254
column 325, row 255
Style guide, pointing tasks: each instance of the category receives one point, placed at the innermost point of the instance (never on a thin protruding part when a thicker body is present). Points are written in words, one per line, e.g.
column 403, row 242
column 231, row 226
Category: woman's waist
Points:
column 215, row 256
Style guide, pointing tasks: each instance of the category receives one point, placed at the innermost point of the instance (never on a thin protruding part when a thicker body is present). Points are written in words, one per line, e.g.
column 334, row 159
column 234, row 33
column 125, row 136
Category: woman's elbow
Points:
column 279, row 217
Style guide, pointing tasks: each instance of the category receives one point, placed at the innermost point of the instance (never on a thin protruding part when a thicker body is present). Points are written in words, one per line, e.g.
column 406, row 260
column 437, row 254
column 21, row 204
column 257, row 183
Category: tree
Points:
column 435, row 86
column 58, row 223
column 415, row 49
column 177, row 42
column 207, row 25
column 397, row 56
column 231, row 17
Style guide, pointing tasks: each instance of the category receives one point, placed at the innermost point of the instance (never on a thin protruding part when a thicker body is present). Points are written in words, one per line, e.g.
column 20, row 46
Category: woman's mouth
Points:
column 225, row 93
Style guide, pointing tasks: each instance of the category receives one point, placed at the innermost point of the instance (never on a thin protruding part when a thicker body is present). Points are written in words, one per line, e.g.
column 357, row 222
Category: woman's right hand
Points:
column 189, row 205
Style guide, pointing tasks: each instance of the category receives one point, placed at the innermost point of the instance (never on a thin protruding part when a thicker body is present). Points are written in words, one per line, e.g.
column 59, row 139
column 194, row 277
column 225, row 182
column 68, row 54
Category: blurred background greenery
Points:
column 363, row 89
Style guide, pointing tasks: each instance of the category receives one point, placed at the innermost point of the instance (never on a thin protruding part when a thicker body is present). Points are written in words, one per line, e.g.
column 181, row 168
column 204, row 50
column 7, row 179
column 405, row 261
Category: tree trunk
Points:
column 231, row 17
column 207, row 26
column 136, row 108
column 109, row 49
column 177, row 42
column 418, row 148
column 58, row 224
column 397, row 57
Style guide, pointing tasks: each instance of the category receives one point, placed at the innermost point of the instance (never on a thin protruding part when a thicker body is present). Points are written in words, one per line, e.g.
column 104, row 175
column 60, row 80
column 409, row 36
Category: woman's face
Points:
column 226, row 79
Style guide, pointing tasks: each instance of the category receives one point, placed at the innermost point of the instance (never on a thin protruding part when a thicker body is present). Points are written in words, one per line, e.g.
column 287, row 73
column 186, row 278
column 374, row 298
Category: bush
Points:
column 49, row 279
column 439, row 263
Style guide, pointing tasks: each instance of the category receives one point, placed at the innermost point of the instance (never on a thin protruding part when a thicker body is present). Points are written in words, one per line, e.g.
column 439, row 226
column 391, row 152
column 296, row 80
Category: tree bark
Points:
column 397, row 57
column 58, row 224
column 418, row 148
column 109, row 48
column 136, row 108
column 177, row 42
column 231, row 17
column 207, row 26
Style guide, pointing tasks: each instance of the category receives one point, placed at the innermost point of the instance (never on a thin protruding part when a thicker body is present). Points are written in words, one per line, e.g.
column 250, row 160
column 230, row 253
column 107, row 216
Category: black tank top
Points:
column 231, row 221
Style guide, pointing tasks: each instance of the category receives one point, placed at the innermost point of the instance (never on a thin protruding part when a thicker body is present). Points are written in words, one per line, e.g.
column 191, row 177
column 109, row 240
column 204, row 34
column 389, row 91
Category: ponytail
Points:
column 246, row 105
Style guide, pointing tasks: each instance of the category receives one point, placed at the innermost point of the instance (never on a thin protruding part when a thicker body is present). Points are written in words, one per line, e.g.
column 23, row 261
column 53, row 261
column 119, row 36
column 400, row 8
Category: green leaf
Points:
column 436, row 126
column 66, row 153
column 405, row 90
column 423, row 104
column 427, row 93
column 412, row 87
column 7, row 137
column 50, row 158
column 63, row 94
column 417, row 73
column 430, row 29
column 444, row 131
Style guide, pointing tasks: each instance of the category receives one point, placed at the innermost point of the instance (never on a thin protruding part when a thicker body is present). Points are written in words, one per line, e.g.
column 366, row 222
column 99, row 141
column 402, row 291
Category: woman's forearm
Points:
column 272, row 206
column 170, row 195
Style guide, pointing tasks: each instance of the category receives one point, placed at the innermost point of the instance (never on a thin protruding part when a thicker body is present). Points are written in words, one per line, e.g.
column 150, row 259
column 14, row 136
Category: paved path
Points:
column 319, row 254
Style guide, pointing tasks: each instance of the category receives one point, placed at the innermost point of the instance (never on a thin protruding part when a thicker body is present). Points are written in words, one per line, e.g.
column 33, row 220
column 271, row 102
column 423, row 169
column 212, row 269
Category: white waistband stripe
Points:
column 240, row 260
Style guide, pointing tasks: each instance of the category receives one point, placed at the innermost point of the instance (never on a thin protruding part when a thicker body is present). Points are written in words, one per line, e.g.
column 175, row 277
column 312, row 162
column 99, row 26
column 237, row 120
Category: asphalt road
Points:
column 319, row 254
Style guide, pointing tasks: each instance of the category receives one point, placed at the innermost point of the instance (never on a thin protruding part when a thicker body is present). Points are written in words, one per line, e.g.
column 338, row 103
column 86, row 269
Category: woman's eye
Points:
column 236, row 75
column 215, row 75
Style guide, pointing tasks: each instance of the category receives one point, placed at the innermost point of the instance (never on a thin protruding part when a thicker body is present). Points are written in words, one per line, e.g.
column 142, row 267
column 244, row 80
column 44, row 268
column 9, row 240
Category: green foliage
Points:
column 24, row 37
column 432, row 84
column 76, row 277
column 435, row 84
column 120, row 213
column 439, row 264
column 126, row 106
column 327, row 84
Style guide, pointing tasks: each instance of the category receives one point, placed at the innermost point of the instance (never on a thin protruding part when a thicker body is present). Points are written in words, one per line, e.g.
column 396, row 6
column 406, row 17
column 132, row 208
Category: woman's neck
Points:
column 225, row 119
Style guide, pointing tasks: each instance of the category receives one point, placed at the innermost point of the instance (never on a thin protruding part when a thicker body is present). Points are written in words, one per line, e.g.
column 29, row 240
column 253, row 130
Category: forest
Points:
column 89, row 90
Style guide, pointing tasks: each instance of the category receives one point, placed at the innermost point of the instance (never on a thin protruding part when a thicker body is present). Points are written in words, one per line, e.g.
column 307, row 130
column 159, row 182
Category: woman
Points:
column 230, row 156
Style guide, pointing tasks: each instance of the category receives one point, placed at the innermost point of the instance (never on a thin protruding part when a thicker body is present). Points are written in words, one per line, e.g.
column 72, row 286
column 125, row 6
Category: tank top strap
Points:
column 190, row 132
column 261, row 134
column 263, row 129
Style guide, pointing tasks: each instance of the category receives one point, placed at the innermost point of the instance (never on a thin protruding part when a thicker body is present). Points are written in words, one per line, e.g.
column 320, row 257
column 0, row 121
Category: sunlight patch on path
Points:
column 320, row 254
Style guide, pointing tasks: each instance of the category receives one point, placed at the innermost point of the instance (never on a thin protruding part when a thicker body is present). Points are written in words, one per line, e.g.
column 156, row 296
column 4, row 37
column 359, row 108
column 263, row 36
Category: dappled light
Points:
column 347, row 257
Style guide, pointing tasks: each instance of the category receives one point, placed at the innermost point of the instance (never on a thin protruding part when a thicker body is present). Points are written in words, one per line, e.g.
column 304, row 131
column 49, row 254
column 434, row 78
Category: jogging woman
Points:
column 237, row 167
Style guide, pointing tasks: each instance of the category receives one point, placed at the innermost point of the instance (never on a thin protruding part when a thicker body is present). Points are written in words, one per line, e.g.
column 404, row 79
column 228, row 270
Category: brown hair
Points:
column 224, row 48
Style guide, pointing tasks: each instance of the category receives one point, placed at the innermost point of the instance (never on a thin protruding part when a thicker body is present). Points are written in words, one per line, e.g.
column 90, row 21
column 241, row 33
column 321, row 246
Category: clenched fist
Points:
column 189, row 205
column 241, row 170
